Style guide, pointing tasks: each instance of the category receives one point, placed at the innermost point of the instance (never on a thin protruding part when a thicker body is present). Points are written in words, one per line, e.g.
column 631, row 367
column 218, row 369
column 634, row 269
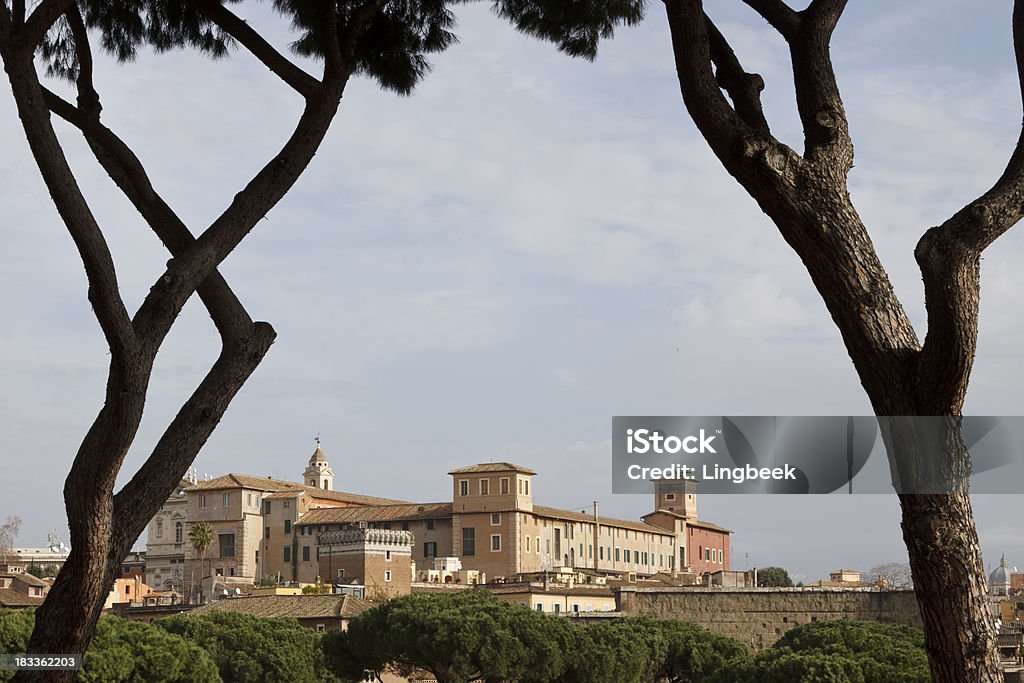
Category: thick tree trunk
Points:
column 945, row 559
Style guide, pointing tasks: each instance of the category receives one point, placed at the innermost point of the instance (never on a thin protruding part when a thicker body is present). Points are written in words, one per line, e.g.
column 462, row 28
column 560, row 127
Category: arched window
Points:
column 178, row 532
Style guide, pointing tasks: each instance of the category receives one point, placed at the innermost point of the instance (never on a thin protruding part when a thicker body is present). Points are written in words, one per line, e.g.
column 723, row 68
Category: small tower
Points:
column 318, row 474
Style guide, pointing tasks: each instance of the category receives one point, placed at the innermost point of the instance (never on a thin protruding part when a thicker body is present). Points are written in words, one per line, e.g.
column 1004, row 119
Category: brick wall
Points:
column 759, row 617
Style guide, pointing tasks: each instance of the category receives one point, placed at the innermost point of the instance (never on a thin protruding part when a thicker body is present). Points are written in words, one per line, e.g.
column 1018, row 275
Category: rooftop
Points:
column 290, row 606
column 377, row 513
column 247, row 481
column 492, row 467
column 12, row 598
column 568, row 515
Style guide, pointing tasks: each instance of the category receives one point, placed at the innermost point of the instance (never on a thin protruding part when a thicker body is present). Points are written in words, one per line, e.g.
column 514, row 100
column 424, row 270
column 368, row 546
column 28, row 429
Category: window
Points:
column 540, row 607
column 179, row 532
column 557, row 608
column 581, row 551
column 266, row 532
column 526, row 487
column 430, row 524
column 430, row 549
column 520, row 486
column 495, row 519
column 463, row 487
column 266, row 507
column 495, row 543
column 707, row 554
column 287, row 504
column 485, row 487
column 576, row 607
column 305, row 553
column 600, row 553
column 636, row 557
column 226, row 544
column 527, row 544
column 645, row 558
column 320, row 628
column 616, row 554
column 287, row 553
column 387, row 555
column 469, row 542
column 287, row 526
column 405, row 526
column 670, row 496
column 387, row 575
column 225, row 499
column 202, row 500
column 503, row 482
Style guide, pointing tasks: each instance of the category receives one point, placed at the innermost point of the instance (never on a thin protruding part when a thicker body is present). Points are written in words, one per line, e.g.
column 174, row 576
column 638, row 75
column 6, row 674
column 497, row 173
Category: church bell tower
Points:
column 319, row 473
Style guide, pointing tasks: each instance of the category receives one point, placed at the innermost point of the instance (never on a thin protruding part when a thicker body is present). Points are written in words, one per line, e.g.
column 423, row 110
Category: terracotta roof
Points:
column 377, row 513
column 246, row 481
column 290, row 606
column 25, row 578
column 708, row 525
column 492, row 467
column 12, row 598
column 555, row 513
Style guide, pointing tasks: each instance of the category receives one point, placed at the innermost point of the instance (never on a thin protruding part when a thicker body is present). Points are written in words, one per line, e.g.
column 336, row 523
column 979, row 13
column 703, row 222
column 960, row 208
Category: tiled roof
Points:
column 290, row 606
column 377, row 513
column 690, row 521
column 708, row 525
column 492, row 467
column 12, row 598
column 555, row 513
column 25, row 578
column 234, row 481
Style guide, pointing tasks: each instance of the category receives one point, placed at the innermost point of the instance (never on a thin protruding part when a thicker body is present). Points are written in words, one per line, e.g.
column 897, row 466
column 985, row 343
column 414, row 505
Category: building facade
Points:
column 290, row 531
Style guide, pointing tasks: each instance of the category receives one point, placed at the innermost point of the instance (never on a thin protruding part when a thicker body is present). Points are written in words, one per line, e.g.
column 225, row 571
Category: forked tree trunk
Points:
column 807, row 197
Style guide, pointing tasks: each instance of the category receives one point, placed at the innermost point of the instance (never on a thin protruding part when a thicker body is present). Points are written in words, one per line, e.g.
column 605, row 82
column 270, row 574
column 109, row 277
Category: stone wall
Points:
column 758, row 617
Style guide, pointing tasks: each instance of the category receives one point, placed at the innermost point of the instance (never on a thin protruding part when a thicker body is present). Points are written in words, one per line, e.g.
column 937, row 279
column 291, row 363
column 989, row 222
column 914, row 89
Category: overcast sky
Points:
column 494, row 267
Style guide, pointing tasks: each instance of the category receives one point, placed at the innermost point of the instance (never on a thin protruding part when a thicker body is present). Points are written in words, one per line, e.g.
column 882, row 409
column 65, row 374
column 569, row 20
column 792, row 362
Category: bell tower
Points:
column 319, row 473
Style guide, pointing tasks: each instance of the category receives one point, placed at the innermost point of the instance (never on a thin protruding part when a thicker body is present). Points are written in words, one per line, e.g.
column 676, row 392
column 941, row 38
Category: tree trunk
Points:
column 945, row 559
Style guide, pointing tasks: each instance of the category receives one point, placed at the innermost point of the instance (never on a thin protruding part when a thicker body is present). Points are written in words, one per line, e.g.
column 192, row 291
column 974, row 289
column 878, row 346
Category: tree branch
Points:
column 781, row 16
column 104, row 294
column 168, row 295
column 128, row 173
column 819, row 103
column 720, row 125
column 949, row 256
column 744, row 88
column 139, row 500
column 240, row 30
column 39, row 22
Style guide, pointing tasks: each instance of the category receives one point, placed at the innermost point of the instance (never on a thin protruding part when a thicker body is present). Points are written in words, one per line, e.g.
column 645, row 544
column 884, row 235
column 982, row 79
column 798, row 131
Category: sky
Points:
column 492, row 268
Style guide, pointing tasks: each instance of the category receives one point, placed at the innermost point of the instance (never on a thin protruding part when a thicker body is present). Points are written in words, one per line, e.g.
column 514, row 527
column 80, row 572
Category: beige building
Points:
column 556, row 598
column 270, row 528
column 166, row 539
column 252, row 519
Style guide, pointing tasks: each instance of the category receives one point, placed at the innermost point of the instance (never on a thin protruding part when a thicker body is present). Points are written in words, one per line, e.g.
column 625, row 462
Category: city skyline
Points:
column 494, row 267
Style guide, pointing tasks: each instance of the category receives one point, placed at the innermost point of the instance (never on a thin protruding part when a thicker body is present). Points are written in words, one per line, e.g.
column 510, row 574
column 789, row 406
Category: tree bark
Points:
column 806, row 196
column 104, row 525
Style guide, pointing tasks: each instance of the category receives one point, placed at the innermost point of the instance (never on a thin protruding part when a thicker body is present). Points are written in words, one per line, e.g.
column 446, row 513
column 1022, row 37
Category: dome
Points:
column 999, row 580
column 318, row 455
